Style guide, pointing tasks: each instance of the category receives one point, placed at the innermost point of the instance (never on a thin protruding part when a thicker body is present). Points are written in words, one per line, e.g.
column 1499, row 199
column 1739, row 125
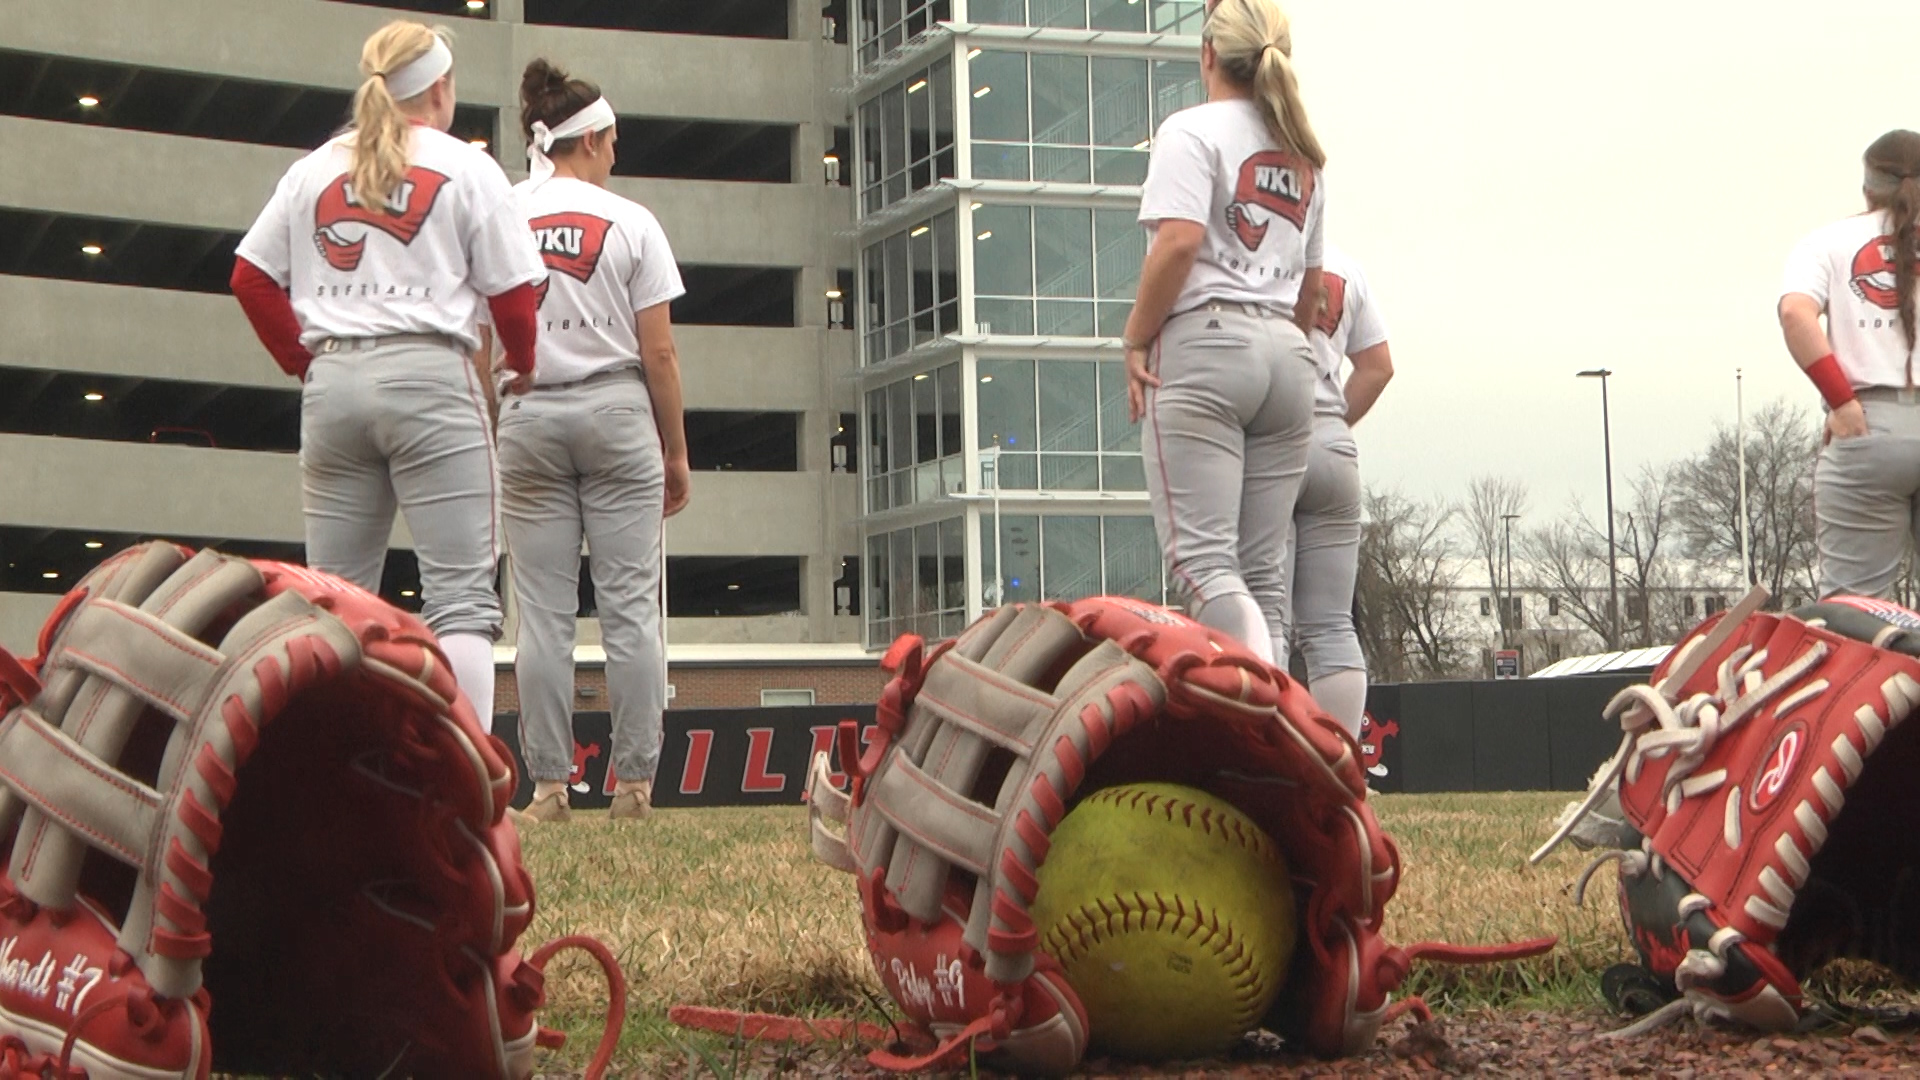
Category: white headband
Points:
column 595, row 117
column 414, row 77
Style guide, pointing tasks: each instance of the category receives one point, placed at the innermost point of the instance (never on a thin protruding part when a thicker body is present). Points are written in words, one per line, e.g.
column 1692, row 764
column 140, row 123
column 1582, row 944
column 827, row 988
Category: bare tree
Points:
column 1568, row 558
column 1409, row 620
column 1490, row 501
column 1656, row 613
column 1782, row 443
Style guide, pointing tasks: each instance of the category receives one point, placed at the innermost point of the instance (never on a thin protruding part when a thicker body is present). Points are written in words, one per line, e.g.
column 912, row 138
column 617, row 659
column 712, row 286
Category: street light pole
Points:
column 1506, row 638
column 1613, row 570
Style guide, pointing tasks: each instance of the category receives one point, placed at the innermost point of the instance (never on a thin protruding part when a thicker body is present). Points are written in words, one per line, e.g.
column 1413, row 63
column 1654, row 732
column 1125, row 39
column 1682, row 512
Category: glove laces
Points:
column 1659, row 725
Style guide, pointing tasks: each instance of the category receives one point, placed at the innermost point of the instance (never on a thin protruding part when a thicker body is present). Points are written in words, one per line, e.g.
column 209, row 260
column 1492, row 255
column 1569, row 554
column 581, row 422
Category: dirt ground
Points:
column 1533, row 1044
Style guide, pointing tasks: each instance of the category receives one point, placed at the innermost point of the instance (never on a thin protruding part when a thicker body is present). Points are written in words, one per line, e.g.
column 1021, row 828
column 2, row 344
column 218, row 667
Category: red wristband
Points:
column 1832, row 383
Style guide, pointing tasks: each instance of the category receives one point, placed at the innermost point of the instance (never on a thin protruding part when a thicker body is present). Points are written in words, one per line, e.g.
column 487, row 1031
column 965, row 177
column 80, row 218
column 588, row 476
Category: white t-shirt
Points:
column 1216, row 165
column 607, row 258
column 453, row 239
column 1349, row 323
column 1848, row 267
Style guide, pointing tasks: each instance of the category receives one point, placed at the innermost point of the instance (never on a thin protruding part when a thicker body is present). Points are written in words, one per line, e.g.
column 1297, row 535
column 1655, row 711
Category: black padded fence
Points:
column 1512, row 735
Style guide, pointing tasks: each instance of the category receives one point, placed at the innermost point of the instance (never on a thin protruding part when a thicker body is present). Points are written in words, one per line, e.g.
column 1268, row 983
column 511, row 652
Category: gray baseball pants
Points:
column 1324, row 560
column 1226, row 445
column 585, row 459
column 1866, row 497
column 386, row 422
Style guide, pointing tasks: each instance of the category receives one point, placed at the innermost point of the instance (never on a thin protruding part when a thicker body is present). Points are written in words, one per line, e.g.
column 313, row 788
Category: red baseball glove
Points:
column 986, row 743
column 1767, row 779
column 250, row 784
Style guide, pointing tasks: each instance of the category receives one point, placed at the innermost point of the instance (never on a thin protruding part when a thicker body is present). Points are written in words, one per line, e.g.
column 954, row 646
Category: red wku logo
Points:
column 403, row 215
column 1336, row 306
column 570, row 243
column 1873, row 274
column 1776, row 769
column 577, row 776
column 1373, row 740
column 1279, row 183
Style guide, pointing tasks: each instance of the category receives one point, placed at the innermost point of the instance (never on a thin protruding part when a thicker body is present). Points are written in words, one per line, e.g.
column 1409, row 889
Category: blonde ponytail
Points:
column 1253, row 44
column 380, row 128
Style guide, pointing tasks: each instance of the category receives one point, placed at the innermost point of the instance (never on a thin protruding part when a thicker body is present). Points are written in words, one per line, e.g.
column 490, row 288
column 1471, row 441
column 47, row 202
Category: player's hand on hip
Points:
column 1849, row 421
column 1140, row 377
column 514, row 382
column 679, row 486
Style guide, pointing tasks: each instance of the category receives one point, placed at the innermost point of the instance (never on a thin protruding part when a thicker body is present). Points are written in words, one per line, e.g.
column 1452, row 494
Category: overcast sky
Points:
column 1539, row 187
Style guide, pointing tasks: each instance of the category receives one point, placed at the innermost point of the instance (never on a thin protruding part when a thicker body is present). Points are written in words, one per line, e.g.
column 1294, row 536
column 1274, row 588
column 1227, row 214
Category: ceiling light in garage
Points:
column 733, row 588
column 921, row 231
column 91, row 249
column 88, row 101
column 94, row 545
column 479, row 143
column 51, row 574
column 983, row 91
column 94, row 395
column 917, row 86
column 476, row 5
column 406, row 592
column 833, row 294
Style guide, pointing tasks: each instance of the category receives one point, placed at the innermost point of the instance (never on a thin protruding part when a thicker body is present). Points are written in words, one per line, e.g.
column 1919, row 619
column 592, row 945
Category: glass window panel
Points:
column 947, row 385
column 874, row 262
column 1062, row 165
column 877, row 459
column 1020, row 548
column 953, row 563
column 1117, row 429
column 919, row 116
column 1122, row 247
column 1069, row 404
column 926, row 420
column 1064, row 318
column 943, row 115
column 1069, row 13
column 1176, row 85
column 1069, row 472
column 876, row 591
column 1000, row 161
column 893, row 124
column 1120, row 100
column 898, row 278
column 946, row 258
column 1019, row 472
column 900, row 429
column 870, row 142
column 1123, row 472
column 1117, row 15
column 1113, row 319
column 1060, row 102
column 1006, row 402
column 1063, row 251
column 1178, row 16
column 1004, row 316
column 947, row 318
column 926, row 576
column 1070, row 557
column 999, row 95
column 1120, row 167
column 900, row 561
column 1003, row 252
column 1002, row 12
column 1131, row 558
column 920, row 254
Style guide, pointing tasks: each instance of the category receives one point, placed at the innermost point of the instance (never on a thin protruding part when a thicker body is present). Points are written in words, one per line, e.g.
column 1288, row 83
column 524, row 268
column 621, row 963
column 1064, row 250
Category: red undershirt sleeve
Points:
column 270, row 311
column 515, row 320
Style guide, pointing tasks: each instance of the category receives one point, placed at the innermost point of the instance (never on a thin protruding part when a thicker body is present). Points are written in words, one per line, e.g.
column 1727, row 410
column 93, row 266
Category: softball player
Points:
column 1859, row 273
column 1324, row 558
column 1217, row 353
column 595, row 446
column 363, row 277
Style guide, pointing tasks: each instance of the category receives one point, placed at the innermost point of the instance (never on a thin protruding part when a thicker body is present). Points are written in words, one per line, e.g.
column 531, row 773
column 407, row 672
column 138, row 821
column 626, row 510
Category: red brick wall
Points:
column 722, row 687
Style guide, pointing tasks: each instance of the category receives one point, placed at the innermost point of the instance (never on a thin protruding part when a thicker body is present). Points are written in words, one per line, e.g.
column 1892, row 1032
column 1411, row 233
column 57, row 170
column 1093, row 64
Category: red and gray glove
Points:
column 253, row 826
column 1767, row 779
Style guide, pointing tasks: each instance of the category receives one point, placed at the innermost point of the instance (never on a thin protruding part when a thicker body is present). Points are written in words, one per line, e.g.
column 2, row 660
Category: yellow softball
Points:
column 1172, row 913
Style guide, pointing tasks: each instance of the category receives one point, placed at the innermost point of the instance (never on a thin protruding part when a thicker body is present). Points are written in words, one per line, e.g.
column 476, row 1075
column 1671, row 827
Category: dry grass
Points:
column 728, row 908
